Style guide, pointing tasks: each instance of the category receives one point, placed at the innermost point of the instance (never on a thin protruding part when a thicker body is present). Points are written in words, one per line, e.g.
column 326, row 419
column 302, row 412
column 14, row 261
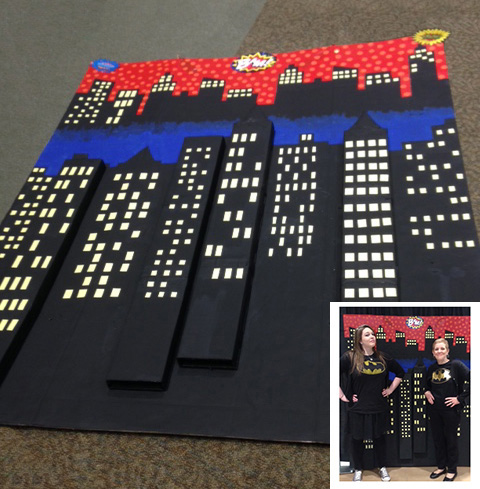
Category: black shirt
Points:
column 369, row 384
column 447, row 380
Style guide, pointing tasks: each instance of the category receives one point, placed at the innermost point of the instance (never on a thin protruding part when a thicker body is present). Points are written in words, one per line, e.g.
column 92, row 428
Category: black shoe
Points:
column 450, row 479
column 436, row 475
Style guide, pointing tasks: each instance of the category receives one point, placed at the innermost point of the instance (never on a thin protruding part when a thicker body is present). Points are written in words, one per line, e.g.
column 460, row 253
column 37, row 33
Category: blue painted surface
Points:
column 411, row 126
column 117, row 145
column 326, row 129
column 408, row 363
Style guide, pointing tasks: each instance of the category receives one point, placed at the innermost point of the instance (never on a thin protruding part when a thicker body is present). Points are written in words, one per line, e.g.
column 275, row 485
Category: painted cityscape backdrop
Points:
column 409, row 340
column 169, row 263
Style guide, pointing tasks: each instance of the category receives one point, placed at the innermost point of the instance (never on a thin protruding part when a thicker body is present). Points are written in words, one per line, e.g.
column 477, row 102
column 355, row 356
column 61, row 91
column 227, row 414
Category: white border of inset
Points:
column 334, row 385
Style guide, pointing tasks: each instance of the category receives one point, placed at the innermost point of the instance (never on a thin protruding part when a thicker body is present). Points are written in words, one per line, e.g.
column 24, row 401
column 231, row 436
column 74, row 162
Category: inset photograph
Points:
column 404, row 394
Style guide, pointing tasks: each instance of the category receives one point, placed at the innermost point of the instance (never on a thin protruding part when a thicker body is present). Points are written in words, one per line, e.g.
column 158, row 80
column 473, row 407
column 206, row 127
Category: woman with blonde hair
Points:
column 367, row 371
column 446, row 395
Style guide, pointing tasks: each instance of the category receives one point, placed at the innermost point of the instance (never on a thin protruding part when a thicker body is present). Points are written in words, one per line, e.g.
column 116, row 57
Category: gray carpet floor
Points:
column 35, row 458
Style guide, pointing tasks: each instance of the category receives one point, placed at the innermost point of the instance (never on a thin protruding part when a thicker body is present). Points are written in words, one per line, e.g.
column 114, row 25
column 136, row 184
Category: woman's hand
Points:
column 344, row 398
column 429, row 397
column 451, row 401
column 391, row 388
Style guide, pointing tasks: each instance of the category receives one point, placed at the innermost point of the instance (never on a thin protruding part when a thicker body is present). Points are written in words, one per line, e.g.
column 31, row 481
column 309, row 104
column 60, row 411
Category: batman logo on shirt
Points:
column 372, row 367
column 441, row 376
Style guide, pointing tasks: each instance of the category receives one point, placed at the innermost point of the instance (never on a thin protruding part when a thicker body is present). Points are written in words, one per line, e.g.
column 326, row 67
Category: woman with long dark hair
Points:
column 446, row 395
column 366, row 393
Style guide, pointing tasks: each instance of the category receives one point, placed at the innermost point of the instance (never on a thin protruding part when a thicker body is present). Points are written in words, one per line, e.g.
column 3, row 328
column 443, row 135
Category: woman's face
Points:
column 440, row 352
column 368, row 340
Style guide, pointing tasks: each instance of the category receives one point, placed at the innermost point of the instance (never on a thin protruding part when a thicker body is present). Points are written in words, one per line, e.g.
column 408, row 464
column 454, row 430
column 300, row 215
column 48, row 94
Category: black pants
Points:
column 379, row 447
column 444, row 425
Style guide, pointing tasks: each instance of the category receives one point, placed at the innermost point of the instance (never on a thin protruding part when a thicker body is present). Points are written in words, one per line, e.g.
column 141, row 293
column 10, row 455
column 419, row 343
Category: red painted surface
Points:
column 458, row 325
column 369, row 58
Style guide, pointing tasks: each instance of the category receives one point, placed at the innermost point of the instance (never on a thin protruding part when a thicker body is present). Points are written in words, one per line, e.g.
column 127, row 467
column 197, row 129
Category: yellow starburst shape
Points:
column 254, row 62
column 429, row 37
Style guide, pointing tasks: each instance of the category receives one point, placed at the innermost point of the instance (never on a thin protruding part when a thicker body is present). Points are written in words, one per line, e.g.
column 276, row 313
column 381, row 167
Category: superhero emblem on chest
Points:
column 441, row 375
column 373, row 367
